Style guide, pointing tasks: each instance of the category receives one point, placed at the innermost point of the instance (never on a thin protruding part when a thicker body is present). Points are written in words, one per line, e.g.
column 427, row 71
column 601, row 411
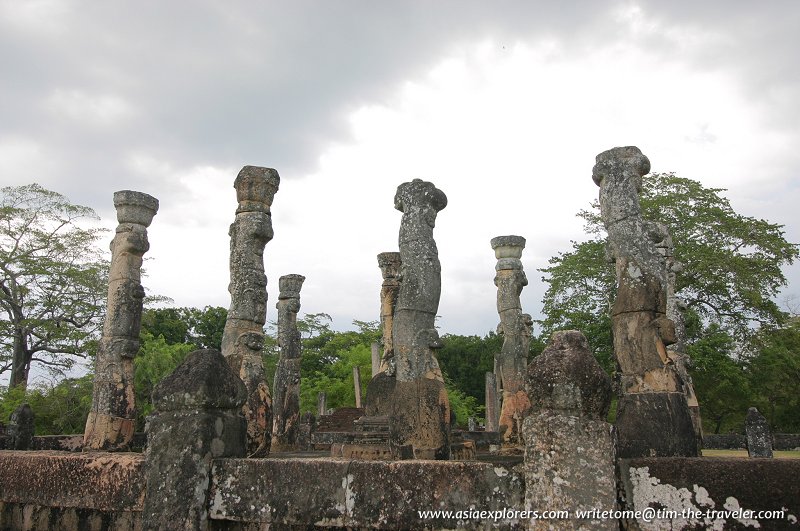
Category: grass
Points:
column 779, row 454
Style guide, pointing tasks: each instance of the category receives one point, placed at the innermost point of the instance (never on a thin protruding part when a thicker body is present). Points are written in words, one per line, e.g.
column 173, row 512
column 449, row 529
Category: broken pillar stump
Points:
column 759, row 438
column 569, row 446
column 20, row 428
column 198, row 418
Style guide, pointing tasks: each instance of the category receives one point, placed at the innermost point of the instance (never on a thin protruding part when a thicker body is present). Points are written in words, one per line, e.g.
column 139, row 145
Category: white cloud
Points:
column 93, row 109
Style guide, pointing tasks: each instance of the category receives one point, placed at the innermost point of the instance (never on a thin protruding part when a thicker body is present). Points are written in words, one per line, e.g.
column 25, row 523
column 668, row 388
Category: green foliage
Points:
column 465, row 360
column 732, row 265
column 720, row 381
column 462, row 405
column 774, row 375
column 156, row 359
column 58, row 409
column 337, row 379
column 53, row 281
column 201, row 328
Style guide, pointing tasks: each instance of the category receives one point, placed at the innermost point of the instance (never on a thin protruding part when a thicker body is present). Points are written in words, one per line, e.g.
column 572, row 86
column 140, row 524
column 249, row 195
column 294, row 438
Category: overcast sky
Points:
column 503, row 105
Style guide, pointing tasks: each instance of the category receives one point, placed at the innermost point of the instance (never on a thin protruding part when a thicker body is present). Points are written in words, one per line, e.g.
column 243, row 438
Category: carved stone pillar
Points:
column 243, row 338
column 286, row 402
column 390, row 270
column 112, row 417
column 652, row 415
column 415, row 397
column 511, row 363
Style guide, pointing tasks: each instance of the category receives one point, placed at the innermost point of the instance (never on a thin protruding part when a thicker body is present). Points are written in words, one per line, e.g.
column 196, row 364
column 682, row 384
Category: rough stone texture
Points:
column 492, row 403
column 361, row 494
column 286, row 389
column 390, row 270
column 569, row 447
column 59, row 490
column 375, row 360
column 243, row 337
column 516, row 328
column 719, row 484
column 20, row 428
column 414, row 395
column 322, row 404
column 111, row 419
column 677, row 351
column 640, row 326
column 419, row 410
column 566, row 378
column 759, row 440
column 198, row 418
column 357, row 385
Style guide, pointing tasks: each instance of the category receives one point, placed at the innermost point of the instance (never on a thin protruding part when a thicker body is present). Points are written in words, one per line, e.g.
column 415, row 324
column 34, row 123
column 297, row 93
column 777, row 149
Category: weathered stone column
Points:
column 111, row 421
column 357, row 385
column 198, row 418
column 322, row 404
column 677, row 351
column 390, row 270
column 492, row 403
column 243, row 338
column 511, row 363
column 415, row 397
column 569, row 446
column 286, row 402
column 759, row 438
column 375, row 358
column 652, row 415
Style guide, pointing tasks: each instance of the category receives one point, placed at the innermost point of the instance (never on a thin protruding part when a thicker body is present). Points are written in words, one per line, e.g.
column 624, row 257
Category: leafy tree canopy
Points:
column 731, row 265
column 53, row 281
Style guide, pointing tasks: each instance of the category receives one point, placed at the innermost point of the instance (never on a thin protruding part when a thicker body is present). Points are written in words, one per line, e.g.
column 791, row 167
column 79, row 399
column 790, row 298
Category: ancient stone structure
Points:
column 198, row 418
column 492, row 403
column 375, row 358
column 653, row 416
column 515, row 326
column 20, row 428
column 414, row 396
column 357, row 384
column 322, row 404
column 677, row 351
column 243, row 337
column 286, row 402
column 111, row 419
column 569, row 446
column 390, row 270
column 759, row 438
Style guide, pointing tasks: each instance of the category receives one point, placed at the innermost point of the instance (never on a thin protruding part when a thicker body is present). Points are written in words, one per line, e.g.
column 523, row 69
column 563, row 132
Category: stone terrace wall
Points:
column 42, row 490
column 698, row 484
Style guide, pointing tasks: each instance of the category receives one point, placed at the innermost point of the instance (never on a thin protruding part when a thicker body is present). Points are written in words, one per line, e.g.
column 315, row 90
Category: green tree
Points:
column 465, row 360
column 732, row 265
column 202, row 328
column 53, row 281
column 59, row 409
column 774, row 375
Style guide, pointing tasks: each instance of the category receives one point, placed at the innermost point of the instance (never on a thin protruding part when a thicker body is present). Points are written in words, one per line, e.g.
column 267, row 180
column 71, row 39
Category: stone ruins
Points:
column 516, row 327
column 110, row 424
column 219, row 454
column 414, row 396
column 390, row 270
column 570, row 396
column 243, row 337
column 653, row 416
column 286, row 402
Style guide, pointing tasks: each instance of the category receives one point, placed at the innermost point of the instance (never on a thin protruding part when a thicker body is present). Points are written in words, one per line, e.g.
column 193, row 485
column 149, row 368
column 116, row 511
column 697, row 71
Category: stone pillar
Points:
column 677, row 351
column 322, row 404
column 492, row 403
column 653, row 416
column 570, row 396
column 390, row 270
column 243, row 338
column 20, row 428
column 511, row 363
column 286, row 402
column 414, row 396
column 759, row 438
column 357, row 384
column 198, row 419
column 112, row 417
column 376, row 359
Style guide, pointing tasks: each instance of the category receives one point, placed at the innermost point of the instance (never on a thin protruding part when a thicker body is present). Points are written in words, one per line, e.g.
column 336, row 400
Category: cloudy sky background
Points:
column 503, row 105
